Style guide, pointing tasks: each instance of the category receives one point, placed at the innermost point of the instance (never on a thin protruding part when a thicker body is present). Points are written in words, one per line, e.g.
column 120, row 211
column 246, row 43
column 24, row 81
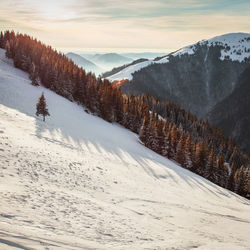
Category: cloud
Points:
column 157, row 8
column 159, row 24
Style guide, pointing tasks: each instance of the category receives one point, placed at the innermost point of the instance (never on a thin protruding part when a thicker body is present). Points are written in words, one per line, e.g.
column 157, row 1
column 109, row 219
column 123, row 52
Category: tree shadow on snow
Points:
column 75, row 129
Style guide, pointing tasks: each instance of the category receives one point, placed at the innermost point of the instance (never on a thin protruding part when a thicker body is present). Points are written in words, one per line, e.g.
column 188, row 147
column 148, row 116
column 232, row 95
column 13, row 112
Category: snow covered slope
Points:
column 127, row 73
column 235, row 46
column 77, row 181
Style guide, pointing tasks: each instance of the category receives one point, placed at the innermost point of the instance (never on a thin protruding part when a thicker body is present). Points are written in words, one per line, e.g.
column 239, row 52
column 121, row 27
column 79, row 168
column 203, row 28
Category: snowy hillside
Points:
column 127, row 73
column 77, row 181
column 235, row 46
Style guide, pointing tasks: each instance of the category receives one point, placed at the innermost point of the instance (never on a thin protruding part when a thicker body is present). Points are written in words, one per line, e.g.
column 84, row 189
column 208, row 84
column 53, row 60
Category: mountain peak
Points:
column 83, row 62
column 234, row 46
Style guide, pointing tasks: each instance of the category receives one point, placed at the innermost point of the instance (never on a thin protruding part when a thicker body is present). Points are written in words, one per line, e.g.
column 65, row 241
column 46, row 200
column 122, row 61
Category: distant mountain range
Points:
column 84, row 63
column 110, row 60
column 148, row 55
column 199, row 77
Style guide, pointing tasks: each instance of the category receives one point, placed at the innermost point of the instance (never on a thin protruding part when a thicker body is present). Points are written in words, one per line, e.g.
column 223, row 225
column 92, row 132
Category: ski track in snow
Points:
column 78, row 182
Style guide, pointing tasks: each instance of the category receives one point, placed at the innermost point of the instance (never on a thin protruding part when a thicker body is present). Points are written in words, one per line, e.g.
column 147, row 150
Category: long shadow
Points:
column 71, row 127
column 92, row 133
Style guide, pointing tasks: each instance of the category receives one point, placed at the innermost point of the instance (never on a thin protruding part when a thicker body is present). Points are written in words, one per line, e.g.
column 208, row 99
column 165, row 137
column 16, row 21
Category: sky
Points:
column 124, row 25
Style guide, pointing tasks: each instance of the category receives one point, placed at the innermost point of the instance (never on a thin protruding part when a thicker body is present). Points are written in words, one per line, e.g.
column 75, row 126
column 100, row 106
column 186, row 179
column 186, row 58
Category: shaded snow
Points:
column 78, row 182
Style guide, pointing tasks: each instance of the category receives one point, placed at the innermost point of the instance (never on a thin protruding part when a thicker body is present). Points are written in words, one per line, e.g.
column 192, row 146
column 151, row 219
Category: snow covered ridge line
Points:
column 236, row 47
column 127, row 73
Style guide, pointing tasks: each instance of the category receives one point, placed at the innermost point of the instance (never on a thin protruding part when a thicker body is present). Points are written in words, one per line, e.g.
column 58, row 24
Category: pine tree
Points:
column 211, row 170
column 1, row 40
column 180, row 152
column 41, row 107
column 236, row 158
column 188, row 163
column 242, row 179
column 231, row 179
column 201, row 155
column 152, row 134
column 8, row 52
column 221, row 171
column 33, row 75
column 173, row 145
column 160, row 136
column 166, row 140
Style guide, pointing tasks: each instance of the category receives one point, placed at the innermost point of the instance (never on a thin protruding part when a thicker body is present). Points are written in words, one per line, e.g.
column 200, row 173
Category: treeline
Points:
column 180, row 136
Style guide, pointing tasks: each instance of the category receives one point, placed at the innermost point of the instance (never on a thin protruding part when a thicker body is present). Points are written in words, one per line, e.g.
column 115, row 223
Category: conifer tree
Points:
column 152, row 132
column 8, row 52
column 173, row 136
column 235, row 158
column 33, row 75
column 160, row 136
column 144, row 130
column 210, row 169
column 201, row 155
column 180, row 152
column 41, row 107
column 242, row 177
column 231, row 179
column 221, row 172
column 188, row 153
column 1, row 40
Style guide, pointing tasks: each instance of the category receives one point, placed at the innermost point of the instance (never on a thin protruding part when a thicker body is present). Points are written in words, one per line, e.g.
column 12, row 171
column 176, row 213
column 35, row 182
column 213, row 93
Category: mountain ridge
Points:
column 84, row 63
column 196, row 77
column 226, row 39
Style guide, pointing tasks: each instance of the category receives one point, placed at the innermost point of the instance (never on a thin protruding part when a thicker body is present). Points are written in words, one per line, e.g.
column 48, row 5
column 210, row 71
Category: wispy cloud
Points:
column 159, row 24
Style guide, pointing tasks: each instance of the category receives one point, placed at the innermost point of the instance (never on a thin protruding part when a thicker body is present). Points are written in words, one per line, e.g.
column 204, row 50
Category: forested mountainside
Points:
column 180, row 136
column 233, row 113
column 196, row 77
column 196, row 80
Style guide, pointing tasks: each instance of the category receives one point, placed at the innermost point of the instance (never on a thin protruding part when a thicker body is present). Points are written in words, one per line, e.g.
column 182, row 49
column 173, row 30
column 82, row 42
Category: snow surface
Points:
column 127, row 73
column 78, row 182
column 236, row 47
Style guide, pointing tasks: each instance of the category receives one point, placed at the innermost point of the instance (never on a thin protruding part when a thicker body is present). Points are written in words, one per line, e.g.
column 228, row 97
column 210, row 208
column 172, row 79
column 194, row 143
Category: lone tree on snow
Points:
column 41, row 107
